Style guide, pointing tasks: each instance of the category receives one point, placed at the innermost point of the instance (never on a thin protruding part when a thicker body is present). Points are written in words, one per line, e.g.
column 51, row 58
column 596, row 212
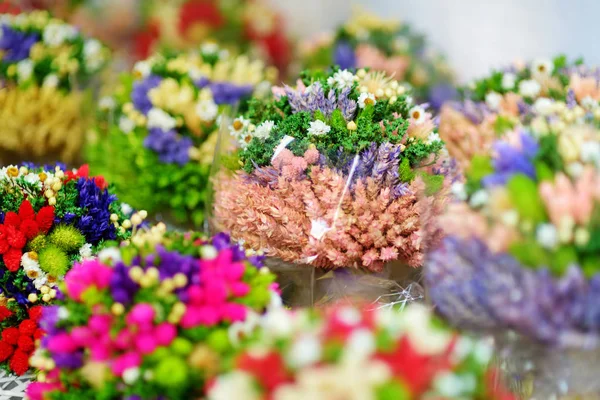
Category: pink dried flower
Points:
column 585, row 87
column 368, row 56
column 311, row 156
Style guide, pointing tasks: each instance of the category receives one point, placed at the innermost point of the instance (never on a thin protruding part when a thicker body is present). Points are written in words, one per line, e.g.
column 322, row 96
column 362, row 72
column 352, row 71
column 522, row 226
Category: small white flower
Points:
column 126, row 209
column 63, row 313
column 483, row 352
column 349, row 316
column 360, row 344
column 209, row 48
column 24, row 70
column 547, row 236
column 29, row 264
column 278, row 323
column 590, row 152
column 589, row 103
column 51, row 81
column 263, row 130
column 458, row 190
column 508, row 81
column 107, row 103
column 92, row 51
column 208, row 252
column 582, row 236
column 242, row 329
column 541, row 69
column 342, row 79
column 510, row 217
column 529, row 88
column 449, row 385
column 158, row 118
column 318, row 128
column 238, row 126
column 207, row 110
column 417, row 114
column 33, row 179
column 142, row 68
column 109, row 255
column 234, row 385
column 493, row 100
column 86, row 251
column 304, row 352
column 131, row 375
column 365, row 99
column 479, row 198
column 126, row 125
column 433, row 138
column 409, row 100
column 55, row 34
column 575, row 169
column 544, row 106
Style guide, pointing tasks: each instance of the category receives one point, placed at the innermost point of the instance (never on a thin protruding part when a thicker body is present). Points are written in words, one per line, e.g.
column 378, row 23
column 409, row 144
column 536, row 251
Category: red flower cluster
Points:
column 84, row 172
column 195, row 12
column 17, row 344
column 19, row 228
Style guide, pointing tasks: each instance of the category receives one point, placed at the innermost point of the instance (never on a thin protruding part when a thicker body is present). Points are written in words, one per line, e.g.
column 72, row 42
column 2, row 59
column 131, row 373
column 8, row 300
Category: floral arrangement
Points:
column 523, row 94
column 150, row 320
column 331, row 172
column 367, row 41
column 346, row 353
column 44, row 66
column 521, row 250
column 50, row 217
column 162, row 123
column 242, row 26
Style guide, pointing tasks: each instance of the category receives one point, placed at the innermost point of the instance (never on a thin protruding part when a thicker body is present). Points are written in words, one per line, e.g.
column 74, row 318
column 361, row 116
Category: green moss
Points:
column 37, row 243
column 405, row 172
column 433, row 183
column 67, row 238
column 53, row 260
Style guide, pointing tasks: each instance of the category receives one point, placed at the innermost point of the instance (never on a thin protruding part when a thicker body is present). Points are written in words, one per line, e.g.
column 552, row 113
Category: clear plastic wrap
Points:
column 325, row 179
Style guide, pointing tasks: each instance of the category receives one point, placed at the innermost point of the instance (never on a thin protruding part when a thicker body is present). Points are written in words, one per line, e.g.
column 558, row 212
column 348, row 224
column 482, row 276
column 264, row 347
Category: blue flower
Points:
column 139, row 94
column 229, row 93
column 16, row 44
column 170, row 147
column 95, row 223
column 511, row 160
column 344, row 56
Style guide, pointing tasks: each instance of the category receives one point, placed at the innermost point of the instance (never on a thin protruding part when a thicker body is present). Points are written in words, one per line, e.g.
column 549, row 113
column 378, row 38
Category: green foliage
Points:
column 171, row 372
column 481, row 166
column 530, row 253
column 562, row 258
column 525, row 197
column 433, row 183
column 549, row 154
column 54, row 261
column 66, row 237
column 393, row 391
column 405, row 172
column 503, row 124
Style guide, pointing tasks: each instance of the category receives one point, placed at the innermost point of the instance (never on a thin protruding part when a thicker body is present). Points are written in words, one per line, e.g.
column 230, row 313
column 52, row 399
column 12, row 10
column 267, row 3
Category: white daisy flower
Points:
column 55, row 34
column 342, row 79
column 86, row 251
column 24, row 70
column 238, row 126
column 142, row 68
column 544, row 106
column 493, row 100
column 305, row 351
column 263, row 130
column 51, row 81
column 365, row 99
column 207, row 110
column 92, row 51
column 479, row 198
column 508, row 81
column 541, row 69
column 529, row 88
column 547, row 236
column 318, row 128
column 158, row 118
column 432, row 138
column 126, row 125
column 417, row 113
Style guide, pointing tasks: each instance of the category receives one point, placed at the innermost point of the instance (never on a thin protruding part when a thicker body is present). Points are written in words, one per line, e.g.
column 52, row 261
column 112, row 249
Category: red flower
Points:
column 7, row 8
column 10, row 335
column 27, row 327
column 45, row 218
column 30, row 229
column 4, row 313
column 39, row 333
column 144, row 41
column 12, row 259
column 26, row 211
column 4, row 246
column 6, row 350
column 195, row 12
column 268, row 369
column 25, row 343
column 84, row 172
column 19, row 362
column 35, row 313
column 15, row 238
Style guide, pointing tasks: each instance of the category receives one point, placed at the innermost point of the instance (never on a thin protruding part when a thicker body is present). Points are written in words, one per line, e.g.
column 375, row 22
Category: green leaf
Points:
column 524, row 195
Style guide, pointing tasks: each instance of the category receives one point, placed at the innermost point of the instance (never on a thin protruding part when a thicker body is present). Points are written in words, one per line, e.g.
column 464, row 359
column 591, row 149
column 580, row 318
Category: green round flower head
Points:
column 66, row 237
column 53, row 260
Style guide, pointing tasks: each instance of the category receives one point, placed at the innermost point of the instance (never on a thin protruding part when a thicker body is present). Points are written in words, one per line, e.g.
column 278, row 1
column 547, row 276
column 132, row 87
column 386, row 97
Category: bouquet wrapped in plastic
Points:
column 521, row 248
column 50, row 218
column 329, row 173
column 46, row 66
column 516, row 96
column 353, row 354
column 160, row 127
column 367, row 41
column 150, row 320
column 241, row 26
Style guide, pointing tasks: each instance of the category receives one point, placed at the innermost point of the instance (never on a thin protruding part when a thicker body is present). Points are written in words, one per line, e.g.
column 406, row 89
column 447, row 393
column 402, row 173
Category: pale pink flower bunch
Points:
column 320, row 221
column 368, row 56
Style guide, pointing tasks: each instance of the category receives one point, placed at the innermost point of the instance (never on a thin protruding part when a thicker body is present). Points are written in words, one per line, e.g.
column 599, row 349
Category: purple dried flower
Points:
column 344, row 56
column 15, row 44
column 170, row 146
column 139, row 93
column 229, row 93
column 347, row 105
column 311, row 100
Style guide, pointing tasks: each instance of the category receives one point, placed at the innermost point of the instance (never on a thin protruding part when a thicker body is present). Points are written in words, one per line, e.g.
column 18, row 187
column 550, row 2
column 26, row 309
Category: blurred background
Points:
column 475, row 35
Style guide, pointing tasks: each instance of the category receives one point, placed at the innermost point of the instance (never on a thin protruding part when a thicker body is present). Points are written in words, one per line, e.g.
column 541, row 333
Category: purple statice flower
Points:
column 524, row 108
column 344, row 56
column 202, row 82
column 94, row 223
column 15, row 44
column 229, row 93
column 49, row 320
column 475, row 111
column 346, row 105
column 222, row 241
column 68, row 360
column 510, row 161
column 571, row 100
column 122, row 287
column 440, row 94
column 139, row 93
column 311, row 100
column 170, row 146
column 477, row 289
